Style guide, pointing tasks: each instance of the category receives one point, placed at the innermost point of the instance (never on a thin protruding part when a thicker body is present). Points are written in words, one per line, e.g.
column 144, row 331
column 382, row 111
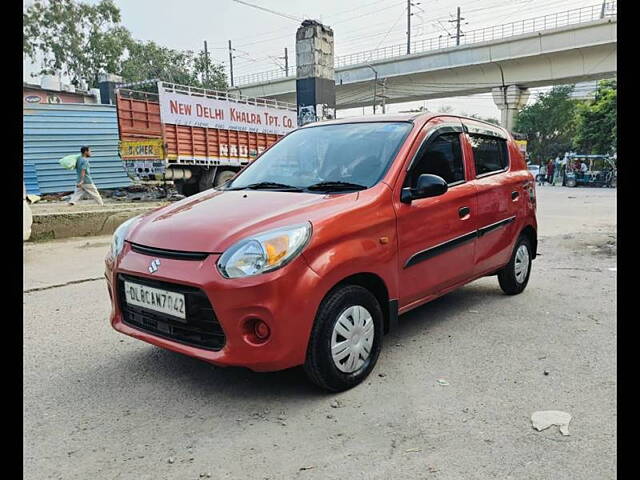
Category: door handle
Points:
column 464, row 211
column 515, row 195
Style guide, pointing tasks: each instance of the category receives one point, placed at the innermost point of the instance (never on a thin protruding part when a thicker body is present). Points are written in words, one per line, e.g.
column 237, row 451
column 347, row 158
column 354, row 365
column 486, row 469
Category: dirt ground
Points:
column 450, row 398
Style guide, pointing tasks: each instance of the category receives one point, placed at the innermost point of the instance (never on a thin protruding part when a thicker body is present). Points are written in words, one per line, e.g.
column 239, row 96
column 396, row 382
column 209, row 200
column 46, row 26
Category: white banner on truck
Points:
column 189, row 110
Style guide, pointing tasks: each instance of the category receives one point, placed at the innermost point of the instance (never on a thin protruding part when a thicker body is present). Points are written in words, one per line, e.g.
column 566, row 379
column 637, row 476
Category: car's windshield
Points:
column 326, row 157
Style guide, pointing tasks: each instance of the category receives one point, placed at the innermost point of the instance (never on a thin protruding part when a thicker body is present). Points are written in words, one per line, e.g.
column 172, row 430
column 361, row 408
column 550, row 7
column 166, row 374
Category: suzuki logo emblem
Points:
column 154, row 265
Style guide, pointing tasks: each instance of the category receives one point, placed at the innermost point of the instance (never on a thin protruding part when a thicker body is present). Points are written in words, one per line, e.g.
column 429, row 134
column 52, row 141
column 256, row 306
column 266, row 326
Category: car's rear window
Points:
column 490, row 154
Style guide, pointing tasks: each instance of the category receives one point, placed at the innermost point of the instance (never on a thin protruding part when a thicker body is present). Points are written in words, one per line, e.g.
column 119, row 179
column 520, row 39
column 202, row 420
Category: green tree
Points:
column 596, row 129
column 78, row 39
column 83, row 41
column 549, row 123
column 148, row 60
column 209, row 74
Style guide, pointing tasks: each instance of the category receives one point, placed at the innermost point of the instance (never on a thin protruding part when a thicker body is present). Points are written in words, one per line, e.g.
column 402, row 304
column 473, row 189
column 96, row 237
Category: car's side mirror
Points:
column 428, row 186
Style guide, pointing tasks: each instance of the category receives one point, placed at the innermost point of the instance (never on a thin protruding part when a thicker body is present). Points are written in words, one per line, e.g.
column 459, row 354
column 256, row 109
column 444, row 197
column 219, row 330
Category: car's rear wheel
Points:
column 346, row 339
column 514, row 277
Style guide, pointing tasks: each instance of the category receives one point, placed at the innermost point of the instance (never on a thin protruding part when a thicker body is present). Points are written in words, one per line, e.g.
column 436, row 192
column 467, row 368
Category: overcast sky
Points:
column 260, row 37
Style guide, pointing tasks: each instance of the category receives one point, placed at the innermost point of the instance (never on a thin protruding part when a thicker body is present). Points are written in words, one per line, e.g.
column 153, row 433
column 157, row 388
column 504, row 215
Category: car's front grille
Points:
column 200, row 328
column 164, row 253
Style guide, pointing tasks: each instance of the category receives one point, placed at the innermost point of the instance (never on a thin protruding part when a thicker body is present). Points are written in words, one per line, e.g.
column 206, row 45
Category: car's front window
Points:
column 326, row 157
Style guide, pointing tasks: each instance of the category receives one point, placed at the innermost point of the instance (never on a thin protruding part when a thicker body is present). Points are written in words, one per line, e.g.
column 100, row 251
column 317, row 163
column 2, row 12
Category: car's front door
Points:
column 436, row 236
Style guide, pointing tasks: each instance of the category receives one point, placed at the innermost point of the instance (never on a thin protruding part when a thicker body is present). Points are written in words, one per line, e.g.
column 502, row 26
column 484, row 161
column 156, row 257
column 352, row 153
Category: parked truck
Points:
column 195, row 137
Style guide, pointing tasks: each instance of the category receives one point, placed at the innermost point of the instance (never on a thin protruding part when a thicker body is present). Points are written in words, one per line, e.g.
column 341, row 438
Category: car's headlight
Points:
column 117, row 242
column 265, row 252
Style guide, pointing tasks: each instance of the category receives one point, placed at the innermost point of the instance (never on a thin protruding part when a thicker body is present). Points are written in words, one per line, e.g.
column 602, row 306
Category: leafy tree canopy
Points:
column 549, row 124
column 83, row 41
column 596, row 126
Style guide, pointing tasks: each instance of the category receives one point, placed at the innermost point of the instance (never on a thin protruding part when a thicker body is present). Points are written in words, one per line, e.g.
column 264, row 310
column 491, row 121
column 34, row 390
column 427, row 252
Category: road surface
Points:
column 451, row 397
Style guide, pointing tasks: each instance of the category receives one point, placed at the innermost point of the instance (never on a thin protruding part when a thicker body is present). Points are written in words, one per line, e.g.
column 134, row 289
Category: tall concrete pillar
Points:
column 107, row 83
column 509, row 100
column 315, row 83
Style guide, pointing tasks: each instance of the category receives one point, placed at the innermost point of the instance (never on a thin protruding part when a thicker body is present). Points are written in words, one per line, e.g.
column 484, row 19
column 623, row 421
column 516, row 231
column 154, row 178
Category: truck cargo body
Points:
column 194, row 157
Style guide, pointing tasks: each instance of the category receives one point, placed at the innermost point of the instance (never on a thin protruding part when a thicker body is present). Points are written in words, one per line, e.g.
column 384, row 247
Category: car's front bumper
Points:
column 286, row 300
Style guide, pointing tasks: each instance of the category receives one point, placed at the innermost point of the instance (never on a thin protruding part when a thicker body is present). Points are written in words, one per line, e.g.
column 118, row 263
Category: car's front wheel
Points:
column 346, row 339
column 513, row 278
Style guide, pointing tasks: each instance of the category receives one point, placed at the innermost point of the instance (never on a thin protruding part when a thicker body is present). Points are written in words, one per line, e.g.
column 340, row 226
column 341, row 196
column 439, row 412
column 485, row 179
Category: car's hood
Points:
column 212, row 221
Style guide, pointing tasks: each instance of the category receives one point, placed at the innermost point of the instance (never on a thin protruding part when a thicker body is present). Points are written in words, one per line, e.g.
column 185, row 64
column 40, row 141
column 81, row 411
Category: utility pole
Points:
column 383, row 96
column 408, row 27
column 230, row 63
column 375, row 85
column 206, row 64
column 457, row 22
column 286, row 62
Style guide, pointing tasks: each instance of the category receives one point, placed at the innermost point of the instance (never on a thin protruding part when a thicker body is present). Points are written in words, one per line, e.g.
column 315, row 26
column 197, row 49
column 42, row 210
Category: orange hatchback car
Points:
column 308, row 255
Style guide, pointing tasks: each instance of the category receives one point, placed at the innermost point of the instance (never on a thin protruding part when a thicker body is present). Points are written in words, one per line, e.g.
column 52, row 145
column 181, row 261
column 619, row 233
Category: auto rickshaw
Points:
column 601, row 171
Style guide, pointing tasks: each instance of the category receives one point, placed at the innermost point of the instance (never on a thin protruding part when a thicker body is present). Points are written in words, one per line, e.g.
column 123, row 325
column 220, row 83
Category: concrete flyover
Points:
column 549, row 53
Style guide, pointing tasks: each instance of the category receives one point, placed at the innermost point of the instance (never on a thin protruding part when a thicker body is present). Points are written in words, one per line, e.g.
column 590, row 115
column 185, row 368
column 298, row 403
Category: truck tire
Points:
column 351, row 313
column 185, row 188
column 205, row 182
column 223, row 176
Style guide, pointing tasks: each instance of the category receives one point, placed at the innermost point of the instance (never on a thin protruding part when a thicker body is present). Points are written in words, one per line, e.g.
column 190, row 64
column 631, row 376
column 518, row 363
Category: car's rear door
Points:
column 436, row 236
column 500, row 192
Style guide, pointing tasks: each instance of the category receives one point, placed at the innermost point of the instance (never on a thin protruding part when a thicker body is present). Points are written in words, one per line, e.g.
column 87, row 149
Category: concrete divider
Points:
column 53, row 223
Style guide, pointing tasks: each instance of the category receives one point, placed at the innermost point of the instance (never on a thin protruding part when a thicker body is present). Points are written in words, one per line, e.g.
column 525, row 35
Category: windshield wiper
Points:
column 268, row 186
column 336, row 186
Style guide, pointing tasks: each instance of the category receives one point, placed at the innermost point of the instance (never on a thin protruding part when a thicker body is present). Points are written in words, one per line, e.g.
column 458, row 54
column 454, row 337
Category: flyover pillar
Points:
column 509, row 100
column 315, row 82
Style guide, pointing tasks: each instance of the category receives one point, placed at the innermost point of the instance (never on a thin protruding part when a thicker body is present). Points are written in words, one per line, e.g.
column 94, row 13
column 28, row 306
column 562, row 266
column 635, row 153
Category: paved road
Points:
column 100, row 405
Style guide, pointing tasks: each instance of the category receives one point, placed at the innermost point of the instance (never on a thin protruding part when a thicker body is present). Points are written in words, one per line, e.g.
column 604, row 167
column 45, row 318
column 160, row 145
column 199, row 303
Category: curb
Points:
column 49, row 226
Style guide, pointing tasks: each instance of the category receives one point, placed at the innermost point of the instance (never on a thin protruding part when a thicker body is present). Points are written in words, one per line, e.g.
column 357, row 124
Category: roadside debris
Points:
column 443, row 382
column 306, row 468
column 546, row 372
column 33, row 198
column 336, row 404
column 544, row 419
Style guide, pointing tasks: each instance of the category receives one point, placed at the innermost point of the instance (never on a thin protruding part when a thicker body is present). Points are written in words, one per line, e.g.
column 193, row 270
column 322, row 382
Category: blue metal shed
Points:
column 51, row 132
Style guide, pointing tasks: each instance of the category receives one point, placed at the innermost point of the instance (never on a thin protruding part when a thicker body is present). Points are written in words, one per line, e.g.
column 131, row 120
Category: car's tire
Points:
column 360, row 327
column 571, row 182
column 514, row 277
column 223, row 176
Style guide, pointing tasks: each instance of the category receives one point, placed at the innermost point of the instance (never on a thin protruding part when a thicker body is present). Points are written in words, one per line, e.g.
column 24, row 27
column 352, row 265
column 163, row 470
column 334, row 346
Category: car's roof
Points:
column 392, row 117
column 398, row 117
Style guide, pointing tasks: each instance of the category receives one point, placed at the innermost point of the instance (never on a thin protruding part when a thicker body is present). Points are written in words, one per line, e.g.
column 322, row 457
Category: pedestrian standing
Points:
column 542, row 174
column 84, row 182
column 550, row 170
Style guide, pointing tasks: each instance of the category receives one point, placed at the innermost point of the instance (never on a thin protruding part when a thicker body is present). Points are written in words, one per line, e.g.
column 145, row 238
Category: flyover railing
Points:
column 496, row 32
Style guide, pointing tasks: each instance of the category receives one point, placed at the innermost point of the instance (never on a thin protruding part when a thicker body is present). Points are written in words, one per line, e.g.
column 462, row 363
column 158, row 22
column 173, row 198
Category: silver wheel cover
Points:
column 521, row 265
column 352, row 339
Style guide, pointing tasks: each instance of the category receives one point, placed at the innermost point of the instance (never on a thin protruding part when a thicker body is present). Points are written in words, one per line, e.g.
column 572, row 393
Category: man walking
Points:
column 84, row 183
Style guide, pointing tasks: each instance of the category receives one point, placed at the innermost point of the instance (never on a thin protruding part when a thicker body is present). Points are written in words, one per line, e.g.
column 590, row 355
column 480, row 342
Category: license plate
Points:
column 156, row 299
